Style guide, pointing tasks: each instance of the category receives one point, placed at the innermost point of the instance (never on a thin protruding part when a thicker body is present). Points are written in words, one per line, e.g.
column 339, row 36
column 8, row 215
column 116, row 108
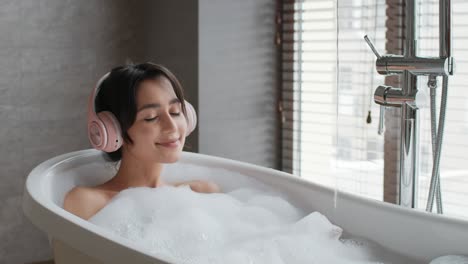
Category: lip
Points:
column 169, row 144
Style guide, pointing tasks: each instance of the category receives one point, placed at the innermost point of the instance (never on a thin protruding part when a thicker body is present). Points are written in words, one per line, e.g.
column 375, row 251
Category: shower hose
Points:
column 437, row 133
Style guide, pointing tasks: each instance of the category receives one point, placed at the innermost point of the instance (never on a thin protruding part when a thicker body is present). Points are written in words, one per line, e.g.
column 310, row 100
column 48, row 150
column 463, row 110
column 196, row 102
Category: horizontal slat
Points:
column 357, row 142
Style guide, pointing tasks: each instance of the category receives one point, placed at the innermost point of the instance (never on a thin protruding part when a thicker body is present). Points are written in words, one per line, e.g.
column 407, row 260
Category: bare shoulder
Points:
column 84, row 202
column 201, row 186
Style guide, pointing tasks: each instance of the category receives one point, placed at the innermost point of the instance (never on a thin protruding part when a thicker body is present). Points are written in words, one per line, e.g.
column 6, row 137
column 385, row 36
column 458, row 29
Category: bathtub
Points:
column 416, row 234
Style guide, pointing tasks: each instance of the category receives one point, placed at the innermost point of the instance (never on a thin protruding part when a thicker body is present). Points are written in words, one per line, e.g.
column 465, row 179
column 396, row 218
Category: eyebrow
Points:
column 153, row 105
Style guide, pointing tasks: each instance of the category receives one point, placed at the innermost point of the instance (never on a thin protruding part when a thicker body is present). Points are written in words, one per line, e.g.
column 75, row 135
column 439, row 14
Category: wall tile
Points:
column 9, row 19
column 59, row 24
column 10, row 83
column 11, row 154
column 47, row 139
column 56, row 83
column 21, row 241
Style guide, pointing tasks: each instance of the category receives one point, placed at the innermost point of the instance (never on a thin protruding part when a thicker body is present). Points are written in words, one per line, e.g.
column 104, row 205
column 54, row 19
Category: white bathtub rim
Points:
column 216, row 161
column 44, row 203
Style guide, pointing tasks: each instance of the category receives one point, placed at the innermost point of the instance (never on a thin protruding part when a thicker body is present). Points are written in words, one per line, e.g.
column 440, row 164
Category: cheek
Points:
column 146, row 131
column 182, row 126
column 141, row 133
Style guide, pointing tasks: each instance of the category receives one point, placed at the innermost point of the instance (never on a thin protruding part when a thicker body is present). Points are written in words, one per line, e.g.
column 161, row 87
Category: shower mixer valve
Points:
column 396, row 64
column 390, row 96
column 390, row 64
column 387, row 95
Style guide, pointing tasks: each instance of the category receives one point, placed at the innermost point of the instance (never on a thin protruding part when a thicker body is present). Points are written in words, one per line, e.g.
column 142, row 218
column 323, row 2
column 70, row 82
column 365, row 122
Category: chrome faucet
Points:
column 411, row 66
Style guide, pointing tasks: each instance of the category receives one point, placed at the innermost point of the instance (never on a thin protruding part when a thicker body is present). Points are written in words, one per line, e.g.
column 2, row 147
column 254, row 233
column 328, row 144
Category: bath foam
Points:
column 242, row 225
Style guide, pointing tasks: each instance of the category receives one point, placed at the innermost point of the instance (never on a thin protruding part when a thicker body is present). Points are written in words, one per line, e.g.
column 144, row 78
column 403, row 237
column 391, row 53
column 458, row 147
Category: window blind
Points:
column 326, row 138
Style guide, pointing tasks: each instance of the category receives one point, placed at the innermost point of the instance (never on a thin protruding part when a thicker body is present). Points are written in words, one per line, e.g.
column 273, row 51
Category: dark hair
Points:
column 117, row 94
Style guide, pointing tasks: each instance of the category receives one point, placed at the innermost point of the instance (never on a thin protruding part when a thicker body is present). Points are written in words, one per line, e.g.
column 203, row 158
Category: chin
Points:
column 171, row 158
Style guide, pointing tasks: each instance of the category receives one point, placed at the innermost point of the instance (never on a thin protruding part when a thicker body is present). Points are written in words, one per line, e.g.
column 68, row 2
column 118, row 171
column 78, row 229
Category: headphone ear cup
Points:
column 97, row 133
column 191, row 118
column 112, row 131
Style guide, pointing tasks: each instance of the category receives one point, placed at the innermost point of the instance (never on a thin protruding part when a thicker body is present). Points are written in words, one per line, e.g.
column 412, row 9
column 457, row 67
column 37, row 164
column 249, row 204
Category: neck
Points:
column 137, row 173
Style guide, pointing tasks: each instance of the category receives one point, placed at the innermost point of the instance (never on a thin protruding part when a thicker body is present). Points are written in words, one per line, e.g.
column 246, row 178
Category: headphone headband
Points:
column 96, row 90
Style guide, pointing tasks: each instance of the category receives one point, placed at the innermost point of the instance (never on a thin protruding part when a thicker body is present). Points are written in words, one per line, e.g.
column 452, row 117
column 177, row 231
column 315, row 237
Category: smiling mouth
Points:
column 170, row 144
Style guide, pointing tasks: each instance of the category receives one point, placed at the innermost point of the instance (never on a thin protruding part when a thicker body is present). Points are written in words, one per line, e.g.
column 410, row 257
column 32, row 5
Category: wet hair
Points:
column 117, row 94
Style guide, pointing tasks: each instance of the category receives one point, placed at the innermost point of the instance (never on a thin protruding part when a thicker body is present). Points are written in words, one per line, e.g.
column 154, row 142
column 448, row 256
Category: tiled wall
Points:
column 51, row 54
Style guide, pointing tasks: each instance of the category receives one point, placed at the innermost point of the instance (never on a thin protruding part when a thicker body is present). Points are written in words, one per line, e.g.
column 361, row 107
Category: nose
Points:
column 168, row 124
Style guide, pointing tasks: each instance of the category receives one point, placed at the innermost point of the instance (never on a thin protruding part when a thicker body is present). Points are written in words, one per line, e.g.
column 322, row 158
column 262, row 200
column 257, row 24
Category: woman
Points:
column 145, row 106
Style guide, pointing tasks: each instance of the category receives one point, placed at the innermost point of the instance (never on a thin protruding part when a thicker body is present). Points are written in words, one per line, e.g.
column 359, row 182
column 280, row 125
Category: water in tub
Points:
column 253, row 224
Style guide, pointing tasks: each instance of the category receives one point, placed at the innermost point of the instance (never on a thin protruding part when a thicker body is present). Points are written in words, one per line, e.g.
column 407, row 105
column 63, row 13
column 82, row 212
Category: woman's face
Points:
column 158, row 132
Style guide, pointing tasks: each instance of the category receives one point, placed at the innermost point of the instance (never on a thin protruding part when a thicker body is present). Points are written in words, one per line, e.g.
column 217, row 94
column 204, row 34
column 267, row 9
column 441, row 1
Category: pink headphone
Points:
column 104, row 131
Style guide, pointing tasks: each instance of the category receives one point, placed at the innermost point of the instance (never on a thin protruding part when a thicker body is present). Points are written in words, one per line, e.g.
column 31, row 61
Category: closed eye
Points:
column 156, row 117
column 151, row 119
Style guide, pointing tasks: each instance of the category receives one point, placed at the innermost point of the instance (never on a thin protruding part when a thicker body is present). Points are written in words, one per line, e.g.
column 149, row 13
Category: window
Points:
column 330, row 132
column 325, row 134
